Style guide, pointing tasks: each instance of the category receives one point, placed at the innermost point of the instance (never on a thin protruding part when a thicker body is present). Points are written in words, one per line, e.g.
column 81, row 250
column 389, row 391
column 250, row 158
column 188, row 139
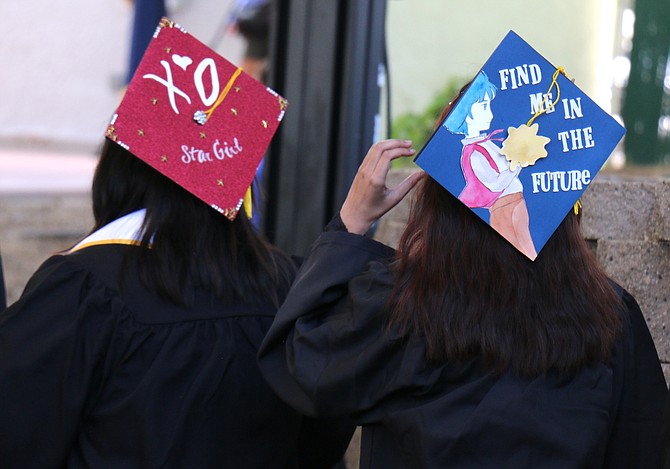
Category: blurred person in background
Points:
column 251, row 19
column 146, row 16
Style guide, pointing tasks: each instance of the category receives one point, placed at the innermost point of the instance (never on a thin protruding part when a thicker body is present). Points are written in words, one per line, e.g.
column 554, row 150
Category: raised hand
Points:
column 369, row 198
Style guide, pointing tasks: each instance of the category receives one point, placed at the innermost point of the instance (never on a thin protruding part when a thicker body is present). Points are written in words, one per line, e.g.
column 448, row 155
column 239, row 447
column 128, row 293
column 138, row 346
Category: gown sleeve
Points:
column 642, row 392
column 51, row 360
column 329, row 351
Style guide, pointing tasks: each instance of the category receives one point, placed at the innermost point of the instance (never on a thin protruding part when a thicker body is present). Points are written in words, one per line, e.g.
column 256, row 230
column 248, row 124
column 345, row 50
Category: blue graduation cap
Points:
column 520, row 145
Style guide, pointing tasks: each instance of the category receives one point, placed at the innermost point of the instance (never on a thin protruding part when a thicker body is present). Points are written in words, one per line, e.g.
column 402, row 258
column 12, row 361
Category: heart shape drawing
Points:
column 182, row 61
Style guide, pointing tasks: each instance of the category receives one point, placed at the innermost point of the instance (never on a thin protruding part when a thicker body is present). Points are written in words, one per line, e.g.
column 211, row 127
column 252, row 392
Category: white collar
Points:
column 124, row 230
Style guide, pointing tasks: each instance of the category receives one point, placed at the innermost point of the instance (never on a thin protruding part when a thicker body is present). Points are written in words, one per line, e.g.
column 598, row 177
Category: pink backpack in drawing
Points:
column 475, row 194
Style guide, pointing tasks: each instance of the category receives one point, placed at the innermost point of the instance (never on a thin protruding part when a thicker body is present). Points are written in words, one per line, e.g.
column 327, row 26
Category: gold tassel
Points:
column 247, row 203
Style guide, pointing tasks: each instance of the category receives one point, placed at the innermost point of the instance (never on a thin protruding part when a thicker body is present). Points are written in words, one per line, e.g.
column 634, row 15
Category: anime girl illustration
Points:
column 489, row 181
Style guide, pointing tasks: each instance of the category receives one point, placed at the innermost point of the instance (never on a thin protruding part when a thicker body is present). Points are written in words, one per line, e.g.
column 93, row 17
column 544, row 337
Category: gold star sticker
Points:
column 523, row 146
column 233, row 111
column 140, row 132
column 111, row 133
column 164, row 158
column 264, row 123
column 283, row 103
column 203, row 135
column 219, row 182
column 154, row 101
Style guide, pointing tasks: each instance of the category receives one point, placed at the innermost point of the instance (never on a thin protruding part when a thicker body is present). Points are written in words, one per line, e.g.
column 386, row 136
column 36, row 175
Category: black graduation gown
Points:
column 97, row 375
column 328, row 353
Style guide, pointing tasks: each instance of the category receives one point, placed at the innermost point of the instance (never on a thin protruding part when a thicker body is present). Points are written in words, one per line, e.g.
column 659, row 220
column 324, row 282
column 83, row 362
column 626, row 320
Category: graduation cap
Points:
column 520, row 145
column 197, row 119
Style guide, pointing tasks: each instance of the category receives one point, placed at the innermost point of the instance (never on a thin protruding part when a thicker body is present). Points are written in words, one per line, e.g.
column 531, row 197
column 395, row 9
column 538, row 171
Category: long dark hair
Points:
column 469, row 294
column 186, row 243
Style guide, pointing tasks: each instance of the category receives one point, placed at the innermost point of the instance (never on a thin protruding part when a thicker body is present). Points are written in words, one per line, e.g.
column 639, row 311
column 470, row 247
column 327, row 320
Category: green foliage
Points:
column 418, row 127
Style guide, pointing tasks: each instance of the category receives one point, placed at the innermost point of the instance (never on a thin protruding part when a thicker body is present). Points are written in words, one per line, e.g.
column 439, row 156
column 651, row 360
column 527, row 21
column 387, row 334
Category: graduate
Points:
column 137, row 347
column 460, row 349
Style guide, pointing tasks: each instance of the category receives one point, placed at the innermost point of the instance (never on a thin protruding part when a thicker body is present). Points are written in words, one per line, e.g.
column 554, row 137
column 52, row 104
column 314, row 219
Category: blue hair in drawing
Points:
column 476, row 92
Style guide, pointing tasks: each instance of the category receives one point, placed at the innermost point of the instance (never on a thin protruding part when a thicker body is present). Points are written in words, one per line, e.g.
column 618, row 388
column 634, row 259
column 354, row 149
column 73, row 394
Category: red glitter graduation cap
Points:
column 197, row 118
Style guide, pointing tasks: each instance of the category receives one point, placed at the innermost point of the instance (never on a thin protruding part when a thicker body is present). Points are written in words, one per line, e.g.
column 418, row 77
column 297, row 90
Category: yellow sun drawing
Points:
column 523, row 146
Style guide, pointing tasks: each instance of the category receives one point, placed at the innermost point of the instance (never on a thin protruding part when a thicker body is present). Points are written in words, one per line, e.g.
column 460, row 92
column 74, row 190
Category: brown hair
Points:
column 468, row 293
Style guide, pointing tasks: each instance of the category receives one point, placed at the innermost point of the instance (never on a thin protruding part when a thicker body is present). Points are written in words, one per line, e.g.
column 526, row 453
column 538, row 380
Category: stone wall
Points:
column 627, row 221
column 33, row 226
